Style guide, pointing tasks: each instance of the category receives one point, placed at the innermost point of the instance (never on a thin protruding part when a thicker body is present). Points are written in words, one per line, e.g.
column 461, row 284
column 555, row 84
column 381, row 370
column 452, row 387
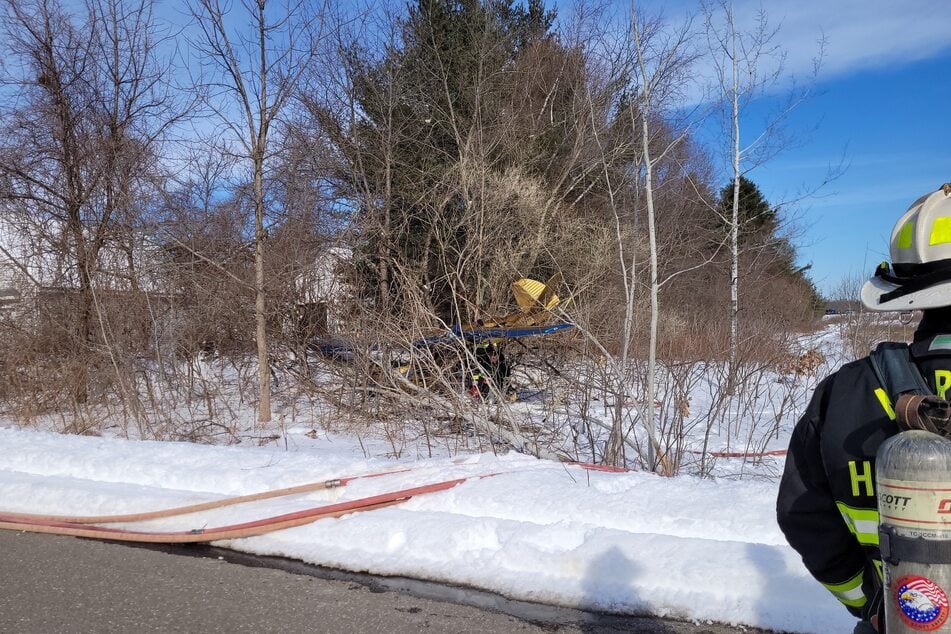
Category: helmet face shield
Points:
column 920, row 274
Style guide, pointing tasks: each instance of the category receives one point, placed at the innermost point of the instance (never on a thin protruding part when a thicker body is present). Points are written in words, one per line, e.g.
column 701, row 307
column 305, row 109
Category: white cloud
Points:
column 859, row 33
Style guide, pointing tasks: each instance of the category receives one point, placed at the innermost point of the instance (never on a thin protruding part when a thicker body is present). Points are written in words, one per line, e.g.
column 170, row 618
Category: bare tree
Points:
column 658, row 58
column 257, row 73
column 87, row 106
column 747, row 65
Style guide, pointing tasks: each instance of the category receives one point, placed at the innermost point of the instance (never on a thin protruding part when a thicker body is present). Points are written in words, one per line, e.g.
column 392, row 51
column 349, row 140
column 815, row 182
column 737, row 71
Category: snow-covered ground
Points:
column 685, row 547
column 700, row 549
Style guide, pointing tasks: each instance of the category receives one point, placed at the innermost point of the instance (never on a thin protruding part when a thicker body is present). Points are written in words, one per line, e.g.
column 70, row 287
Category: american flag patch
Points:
column 922, row 604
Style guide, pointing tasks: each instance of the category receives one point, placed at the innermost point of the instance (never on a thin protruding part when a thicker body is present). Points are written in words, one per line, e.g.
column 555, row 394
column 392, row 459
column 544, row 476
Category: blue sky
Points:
column 887, row 123
column 881, row 107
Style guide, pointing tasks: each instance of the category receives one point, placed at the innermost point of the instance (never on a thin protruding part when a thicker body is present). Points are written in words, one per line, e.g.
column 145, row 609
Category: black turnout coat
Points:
column 826, row 505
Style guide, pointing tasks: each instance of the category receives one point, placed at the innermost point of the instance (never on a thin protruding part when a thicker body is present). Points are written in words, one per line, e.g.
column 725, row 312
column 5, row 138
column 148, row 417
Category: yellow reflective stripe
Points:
column 940, row 231
column 863, row 523
column 848, row 592
column 886, row 402
column 905, row 235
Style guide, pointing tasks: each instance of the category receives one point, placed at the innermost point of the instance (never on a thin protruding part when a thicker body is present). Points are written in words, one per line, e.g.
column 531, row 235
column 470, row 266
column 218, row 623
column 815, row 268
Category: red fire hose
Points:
column 233, row 531
column 195, row 508
column 90, row 526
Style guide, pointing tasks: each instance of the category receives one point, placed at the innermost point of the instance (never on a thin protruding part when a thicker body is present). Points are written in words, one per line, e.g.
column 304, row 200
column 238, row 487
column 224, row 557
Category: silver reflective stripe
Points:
column 867, row 532
column 850, row 592
column 863, row 523
column 851, row 595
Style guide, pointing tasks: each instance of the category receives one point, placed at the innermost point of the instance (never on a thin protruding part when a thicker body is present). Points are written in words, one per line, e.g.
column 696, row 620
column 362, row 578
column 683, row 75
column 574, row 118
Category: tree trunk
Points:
column 260, row 316
column 735, row 217
column 648, row 409
column 85, row 308
column 259, row 147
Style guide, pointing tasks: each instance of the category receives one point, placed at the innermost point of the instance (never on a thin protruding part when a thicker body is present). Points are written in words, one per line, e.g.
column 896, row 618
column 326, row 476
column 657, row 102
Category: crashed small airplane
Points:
column 443, row 356
column 536, row 304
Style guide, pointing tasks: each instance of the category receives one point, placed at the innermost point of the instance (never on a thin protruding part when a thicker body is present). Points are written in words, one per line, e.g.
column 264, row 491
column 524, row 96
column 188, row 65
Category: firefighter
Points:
column 490, row 366
column 826, row 505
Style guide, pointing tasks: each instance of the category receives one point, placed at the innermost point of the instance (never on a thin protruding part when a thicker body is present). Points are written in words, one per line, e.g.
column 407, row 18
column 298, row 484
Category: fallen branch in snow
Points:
column 739, row 454
column 512, row 436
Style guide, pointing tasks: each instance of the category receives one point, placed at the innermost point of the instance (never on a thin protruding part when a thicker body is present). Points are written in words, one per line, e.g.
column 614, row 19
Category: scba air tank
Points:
column 913, row 483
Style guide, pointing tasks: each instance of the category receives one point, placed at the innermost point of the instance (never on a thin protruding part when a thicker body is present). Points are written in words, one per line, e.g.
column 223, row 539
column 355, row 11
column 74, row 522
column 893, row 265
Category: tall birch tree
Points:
column 748, row 65
column 659, row 59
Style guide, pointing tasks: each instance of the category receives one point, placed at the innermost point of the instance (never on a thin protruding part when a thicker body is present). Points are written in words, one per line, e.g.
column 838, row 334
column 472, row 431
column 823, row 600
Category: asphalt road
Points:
column 51, row 584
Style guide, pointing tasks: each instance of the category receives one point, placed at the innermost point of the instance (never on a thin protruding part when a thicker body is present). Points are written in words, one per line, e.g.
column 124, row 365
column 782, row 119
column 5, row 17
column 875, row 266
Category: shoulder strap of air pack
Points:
column 896, row 371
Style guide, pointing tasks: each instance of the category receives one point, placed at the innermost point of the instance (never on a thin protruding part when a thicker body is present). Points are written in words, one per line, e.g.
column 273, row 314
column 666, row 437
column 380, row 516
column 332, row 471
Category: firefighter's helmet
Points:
column 919, row 275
